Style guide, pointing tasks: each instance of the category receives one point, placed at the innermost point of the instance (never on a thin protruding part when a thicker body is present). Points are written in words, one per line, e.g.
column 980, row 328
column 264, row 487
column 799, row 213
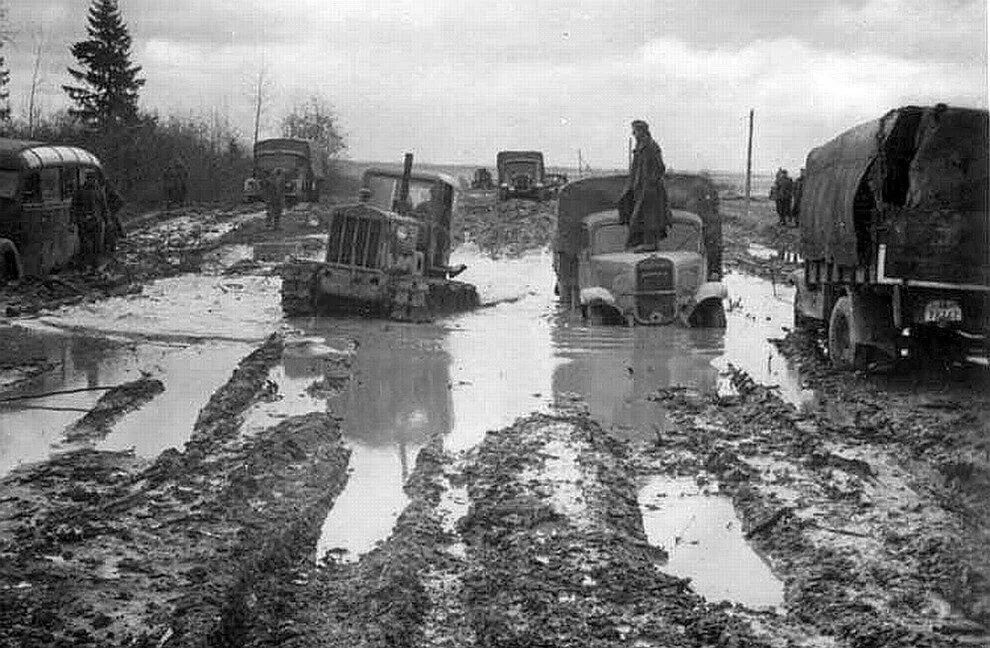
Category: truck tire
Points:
column 842, row 340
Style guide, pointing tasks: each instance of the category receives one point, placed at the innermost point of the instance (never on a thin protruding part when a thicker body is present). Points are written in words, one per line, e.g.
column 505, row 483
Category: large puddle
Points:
column 453, row 380
column 704, row 541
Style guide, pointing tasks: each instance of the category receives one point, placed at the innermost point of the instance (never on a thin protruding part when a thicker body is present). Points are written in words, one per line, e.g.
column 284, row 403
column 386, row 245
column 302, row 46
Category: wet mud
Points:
column 352, row 482
column 106, row 548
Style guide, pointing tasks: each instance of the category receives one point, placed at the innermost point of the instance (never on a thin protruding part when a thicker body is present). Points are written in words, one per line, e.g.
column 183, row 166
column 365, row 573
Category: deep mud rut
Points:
column 509, row 477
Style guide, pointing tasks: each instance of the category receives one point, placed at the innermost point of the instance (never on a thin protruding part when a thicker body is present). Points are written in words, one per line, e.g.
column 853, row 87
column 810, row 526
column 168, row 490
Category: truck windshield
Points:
column 8, row 184
column 282, row 160
column 680, row 237
column 384, row 190
column 522, row 167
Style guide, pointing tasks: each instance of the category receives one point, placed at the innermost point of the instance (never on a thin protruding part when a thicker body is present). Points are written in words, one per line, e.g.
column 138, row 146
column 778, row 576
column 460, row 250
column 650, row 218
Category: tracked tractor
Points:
column 387, row 255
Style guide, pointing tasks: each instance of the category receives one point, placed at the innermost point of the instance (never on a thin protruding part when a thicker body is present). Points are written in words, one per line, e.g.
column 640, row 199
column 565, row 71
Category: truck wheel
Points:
column 709, row 314
column 841, row 337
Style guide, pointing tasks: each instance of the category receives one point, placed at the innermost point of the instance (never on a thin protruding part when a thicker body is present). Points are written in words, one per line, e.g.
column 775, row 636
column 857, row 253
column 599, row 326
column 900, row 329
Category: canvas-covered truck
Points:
column 304, row 163
column 388, row 255
column 894, row 236
column 521, row 174
column 678, row 282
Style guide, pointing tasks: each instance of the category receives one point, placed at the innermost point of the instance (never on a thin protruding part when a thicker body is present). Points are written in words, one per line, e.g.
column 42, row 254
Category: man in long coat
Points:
column 643, row 204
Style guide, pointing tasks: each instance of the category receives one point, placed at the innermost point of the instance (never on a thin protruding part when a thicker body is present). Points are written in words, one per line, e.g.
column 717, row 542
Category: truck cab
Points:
column 521, row 174
column 302, row 161
column 611, row 284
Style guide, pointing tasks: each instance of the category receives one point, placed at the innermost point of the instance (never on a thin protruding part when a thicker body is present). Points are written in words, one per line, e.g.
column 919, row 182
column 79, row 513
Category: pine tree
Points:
column 4, row 72
column 108, row 92
column 4, row 93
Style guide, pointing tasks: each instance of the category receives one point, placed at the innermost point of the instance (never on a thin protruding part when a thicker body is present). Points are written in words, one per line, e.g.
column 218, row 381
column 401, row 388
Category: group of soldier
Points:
column 786, row 194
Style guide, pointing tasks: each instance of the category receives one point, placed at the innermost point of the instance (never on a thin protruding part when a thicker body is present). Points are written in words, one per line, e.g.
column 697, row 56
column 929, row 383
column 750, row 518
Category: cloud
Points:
column 456, row 81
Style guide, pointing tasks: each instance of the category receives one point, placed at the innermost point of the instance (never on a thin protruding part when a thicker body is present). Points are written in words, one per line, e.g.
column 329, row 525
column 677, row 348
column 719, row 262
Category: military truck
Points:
column 303, row 161
column 521, row 174
column 894, row 231
column 680, row 281
column 388, row 255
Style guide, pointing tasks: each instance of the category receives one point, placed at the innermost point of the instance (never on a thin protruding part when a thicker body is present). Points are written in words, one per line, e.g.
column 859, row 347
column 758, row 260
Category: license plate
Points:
column 943, row 310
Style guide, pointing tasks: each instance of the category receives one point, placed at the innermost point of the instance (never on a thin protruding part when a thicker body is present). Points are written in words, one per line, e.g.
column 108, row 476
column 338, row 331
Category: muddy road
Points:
column 181, row 466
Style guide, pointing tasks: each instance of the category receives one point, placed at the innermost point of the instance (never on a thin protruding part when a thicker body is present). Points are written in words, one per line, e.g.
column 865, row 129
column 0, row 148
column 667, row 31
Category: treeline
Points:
column 135, row 155
column 136, row 146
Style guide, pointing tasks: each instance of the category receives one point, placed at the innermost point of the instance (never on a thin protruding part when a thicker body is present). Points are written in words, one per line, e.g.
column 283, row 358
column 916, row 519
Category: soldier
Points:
column 796, row 203
column 643, row 204
column 275, row 198
column 781, row 193
column 89, row 211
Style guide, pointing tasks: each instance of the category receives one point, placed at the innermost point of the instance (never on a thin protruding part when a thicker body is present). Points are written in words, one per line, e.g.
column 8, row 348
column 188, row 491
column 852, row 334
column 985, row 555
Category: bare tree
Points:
column 315, row 119
column 32, row 111
column 263, row 90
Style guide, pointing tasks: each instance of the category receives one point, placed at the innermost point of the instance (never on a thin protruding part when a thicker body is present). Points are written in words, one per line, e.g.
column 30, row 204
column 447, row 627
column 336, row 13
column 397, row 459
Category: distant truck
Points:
column 56, row 207
column 521, row 174
column 894, row 228
column 387, row 255
column 304, row 162
column 679, row 282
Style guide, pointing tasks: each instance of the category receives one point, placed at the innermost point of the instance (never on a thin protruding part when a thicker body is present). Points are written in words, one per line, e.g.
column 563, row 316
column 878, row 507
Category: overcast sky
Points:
column 457, row 80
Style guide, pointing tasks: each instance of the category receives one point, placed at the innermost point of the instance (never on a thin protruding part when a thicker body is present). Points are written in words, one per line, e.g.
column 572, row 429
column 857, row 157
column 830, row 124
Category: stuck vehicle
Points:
column 387, row 255
column 55, row 207
column 303, row 162
column 521, row 174
column 610, row 284
column 894, row 236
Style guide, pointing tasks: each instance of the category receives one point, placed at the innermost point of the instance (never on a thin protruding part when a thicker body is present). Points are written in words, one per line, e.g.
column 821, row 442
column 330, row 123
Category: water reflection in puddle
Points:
column 190, row 373
column 703, row 538
column 453, row 380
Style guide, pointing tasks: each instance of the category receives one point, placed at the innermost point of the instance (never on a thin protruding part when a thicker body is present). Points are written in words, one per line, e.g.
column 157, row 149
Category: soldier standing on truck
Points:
column 643, row 204
column 274, row 198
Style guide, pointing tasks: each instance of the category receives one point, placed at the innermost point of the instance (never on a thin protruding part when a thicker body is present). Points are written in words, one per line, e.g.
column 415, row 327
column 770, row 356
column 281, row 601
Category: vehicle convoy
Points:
column 304, row 163
column 680, row 281
column 894, row 228
column 521, row 174
column 482, row 179
column 55, row 207
column 387, row 255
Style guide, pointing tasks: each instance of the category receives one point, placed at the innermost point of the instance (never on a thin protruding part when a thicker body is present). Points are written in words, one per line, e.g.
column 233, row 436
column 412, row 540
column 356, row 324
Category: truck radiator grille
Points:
column 354, row 241
column 655, row 299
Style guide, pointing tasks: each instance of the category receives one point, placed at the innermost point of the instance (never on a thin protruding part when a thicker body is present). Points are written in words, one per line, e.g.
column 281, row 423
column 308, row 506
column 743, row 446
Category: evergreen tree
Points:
column 4, row 93
column 4, row 72
column 108, row 90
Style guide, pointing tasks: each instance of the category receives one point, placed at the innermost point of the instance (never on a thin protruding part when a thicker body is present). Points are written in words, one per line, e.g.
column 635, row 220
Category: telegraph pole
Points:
column 580, row 165
column 749, row 159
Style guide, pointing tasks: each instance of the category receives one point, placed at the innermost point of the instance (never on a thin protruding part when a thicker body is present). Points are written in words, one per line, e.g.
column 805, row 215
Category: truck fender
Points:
column 873, row 320
column 596, row 295
column 706, row 309
column 710, row 290
column 10, row 261
column 867, row 324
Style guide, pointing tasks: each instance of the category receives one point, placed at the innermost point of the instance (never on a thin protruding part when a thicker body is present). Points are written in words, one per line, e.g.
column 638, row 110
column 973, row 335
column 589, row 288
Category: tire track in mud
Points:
column 868, row 551
column 557, row 551
column 104, row 549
